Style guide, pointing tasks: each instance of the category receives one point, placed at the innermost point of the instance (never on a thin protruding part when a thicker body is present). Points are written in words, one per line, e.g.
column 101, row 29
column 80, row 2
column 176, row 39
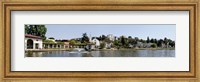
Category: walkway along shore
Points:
column 43, row 50
column 69, row 49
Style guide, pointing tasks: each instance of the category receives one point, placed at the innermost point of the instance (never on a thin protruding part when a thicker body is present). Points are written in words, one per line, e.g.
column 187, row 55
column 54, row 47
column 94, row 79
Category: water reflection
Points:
column 109, row 53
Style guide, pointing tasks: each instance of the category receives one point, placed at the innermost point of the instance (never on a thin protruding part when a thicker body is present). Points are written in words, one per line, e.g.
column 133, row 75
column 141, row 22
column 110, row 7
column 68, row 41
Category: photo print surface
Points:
column 100, row 40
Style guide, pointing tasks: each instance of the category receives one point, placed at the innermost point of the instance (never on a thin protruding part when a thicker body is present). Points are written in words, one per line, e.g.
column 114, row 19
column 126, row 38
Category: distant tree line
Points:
column 125, row 42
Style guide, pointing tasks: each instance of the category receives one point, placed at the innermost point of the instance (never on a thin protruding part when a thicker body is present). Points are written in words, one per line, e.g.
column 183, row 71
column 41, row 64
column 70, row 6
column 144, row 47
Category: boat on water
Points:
column 78, row 50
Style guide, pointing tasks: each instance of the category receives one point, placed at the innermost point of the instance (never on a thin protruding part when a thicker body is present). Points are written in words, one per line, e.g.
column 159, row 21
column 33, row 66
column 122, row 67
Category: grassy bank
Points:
column 155, row 49
column 136, row 49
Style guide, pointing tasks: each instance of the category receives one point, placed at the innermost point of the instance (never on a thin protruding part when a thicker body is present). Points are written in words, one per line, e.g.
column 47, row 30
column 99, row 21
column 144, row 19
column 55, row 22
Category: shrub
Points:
column 153, row 45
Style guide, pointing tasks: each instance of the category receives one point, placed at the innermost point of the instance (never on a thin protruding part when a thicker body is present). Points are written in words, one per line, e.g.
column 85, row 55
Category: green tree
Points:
column 148, row 40
column 72, row 42
column 136, row 39
column 156, row 41
column 172, row 43
column 85, row 38
column 107, row 40
column 48, row 41
column 103, row 37
column 51, row 38
column 124, row 41
column 153, row 45
column 165, row 40
column 102, row 45
column 130, row 41
column 116, row 43
column 143, row 41
column 27, row 29
column 129, row 37
column 152, row 40
column 37, row 30
column 159, row 44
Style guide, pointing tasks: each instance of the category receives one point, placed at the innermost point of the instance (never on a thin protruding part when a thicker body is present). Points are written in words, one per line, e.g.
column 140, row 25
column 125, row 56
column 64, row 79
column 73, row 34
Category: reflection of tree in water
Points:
column 35, row 54
column 29, row 54
column 87, row 55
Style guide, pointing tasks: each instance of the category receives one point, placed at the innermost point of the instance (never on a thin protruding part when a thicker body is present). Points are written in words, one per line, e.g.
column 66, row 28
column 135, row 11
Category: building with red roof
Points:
column 33, row 42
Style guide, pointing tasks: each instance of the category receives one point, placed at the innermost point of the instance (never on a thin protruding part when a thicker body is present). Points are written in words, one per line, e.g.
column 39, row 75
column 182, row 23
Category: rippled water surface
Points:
column 107, row 53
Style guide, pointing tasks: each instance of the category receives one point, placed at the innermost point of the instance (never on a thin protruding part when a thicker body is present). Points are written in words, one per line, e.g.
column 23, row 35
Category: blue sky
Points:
column 142, row 31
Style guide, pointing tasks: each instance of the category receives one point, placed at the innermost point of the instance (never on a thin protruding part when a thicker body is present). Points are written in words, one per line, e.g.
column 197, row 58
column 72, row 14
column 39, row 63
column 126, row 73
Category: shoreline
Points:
column 136, row 49
column 43, row 50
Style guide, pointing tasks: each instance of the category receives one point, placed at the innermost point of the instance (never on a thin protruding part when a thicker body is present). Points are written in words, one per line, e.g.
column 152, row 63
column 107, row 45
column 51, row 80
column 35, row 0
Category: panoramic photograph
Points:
column 100, row 40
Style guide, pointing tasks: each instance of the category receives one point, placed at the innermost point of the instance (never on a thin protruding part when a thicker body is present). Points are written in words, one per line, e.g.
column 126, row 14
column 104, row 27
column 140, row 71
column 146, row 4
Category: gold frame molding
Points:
column 6, row 38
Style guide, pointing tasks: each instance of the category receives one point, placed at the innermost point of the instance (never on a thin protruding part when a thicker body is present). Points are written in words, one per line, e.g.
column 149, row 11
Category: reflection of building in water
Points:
column 33, row 42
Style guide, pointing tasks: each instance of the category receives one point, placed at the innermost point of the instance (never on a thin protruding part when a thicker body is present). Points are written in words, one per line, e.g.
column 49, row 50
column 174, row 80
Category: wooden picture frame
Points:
column 125, row 6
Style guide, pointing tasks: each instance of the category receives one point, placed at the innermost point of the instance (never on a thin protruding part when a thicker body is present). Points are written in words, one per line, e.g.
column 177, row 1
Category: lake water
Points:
column 107, row 53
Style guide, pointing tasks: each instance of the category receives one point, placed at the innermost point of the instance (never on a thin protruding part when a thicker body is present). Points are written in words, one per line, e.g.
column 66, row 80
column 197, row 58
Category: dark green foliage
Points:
column 37, row 30
column 85, row 38
column 148, row 40
column 102, row 45
column 129, row 37
column 123, row 41
column 154, row 45
column 117, row 43
column 72, row 42
column 160, row 42
column 152, row 41
column 136, row 39
column 51, row 38
column 102, row 38
column 172, row 44
column 48, row 41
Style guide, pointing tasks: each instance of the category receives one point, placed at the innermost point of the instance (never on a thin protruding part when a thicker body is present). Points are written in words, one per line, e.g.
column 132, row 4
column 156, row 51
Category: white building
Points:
column 108, row 45
column 111, row 37
column 96, row 42
column 33, row 42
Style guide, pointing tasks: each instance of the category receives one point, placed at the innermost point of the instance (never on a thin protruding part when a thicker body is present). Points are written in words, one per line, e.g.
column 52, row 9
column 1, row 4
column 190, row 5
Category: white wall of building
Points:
column 111, row 37
column 96, row 41
column 35, row 41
